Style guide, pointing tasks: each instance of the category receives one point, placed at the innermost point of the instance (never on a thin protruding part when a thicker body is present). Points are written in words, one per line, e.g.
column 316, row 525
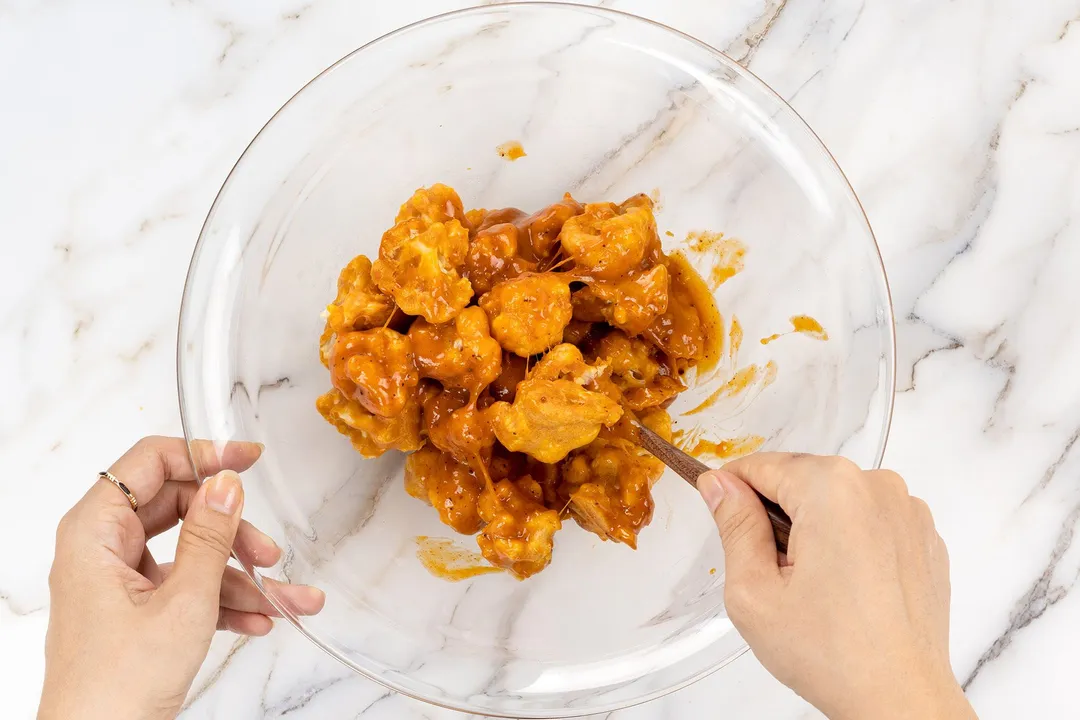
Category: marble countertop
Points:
column 957, row 123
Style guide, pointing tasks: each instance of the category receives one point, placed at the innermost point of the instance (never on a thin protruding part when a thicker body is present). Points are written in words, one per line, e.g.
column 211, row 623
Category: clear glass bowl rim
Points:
column 731, row 64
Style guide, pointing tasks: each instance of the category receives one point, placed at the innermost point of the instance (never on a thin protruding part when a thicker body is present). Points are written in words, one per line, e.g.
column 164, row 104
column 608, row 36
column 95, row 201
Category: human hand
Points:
column 855, row 618
column 126, row 636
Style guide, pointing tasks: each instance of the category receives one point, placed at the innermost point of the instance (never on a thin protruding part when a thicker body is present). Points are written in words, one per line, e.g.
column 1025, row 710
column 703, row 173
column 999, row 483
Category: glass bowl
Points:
column 606, row 105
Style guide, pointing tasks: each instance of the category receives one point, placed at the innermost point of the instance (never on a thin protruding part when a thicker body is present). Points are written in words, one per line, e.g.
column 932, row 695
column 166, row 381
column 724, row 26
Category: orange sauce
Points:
column 654, row 195
column 701, row 298
column 445, row 560
column 802, row 324
column 809, row 326
column 739, row 382
column 730, row 448
column 511, row 150
column 692, row 443
column 702, row 241
column 735, row 337
column 729, row 259
column 720, row 275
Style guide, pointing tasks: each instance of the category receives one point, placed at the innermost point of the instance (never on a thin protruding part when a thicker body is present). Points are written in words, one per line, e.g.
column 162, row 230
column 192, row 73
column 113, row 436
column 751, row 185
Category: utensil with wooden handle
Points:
column 689, row 468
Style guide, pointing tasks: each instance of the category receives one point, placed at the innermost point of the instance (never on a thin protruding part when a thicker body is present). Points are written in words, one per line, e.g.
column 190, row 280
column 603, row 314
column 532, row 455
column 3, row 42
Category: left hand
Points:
column 126, row 635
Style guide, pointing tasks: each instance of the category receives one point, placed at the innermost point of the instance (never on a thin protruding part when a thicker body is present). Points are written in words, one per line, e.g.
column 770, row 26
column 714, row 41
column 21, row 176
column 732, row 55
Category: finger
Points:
column 923, row 517
column 206, row 539
column 887, row 481
column 168, row 507
column 931, row 539
column 788, row 478
column 255, row 547
column 244, row 623
column 238, row 592
column 171, row 505
column 149, row 569
column 152, row 461
column 750, row 561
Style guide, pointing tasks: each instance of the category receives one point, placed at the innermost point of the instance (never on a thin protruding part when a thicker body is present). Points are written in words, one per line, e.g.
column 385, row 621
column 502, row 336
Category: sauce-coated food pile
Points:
column 506, row 353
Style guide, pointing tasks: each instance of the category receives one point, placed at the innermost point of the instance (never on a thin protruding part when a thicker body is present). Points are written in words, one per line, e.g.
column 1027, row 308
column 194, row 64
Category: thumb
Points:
column 745, row 532
column 206, row 538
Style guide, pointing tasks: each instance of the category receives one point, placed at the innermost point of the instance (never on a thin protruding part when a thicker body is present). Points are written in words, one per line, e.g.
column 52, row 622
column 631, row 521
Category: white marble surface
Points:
column 957, row 123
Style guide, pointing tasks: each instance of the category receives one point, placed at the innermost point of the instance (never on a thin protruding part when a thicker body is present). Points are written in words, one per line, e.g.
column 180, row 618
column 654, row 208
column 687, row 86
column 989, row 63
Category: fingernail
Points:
column 712, row 491
column 262, row 448
column 223, row 493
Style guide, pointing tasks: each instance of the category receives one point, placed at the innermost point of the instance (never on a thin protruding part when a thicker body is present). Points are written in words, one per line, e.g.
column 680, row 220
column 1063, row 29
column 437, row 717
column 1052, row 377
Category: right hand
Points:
column 855, row 618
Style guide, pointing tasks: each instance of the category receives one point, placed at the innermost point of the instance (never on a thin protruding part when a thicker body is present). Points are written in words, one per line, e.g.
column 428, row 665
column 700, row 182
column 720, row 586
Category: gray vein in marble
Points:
column 719, row 165
column 419, row 663
column 870, row 414
column 234, row 36
column 998, row 357
column 953, row 345
column 381, row 698
column 802, row 86
column 1047, row 248
column 281, row 382
column 692, row 586
column 274, row 657
column 296, row 15
column 239, row 387
column 1065, row 28
column 514, row 607
column 292, row 704
column 193, row 697
column 1036, row 601
column 82, row 323
column 541, row 105
column 457, row 605
column 998, row 361
column 1055, row 466
column 365, row 512
column 755, row 34
column 970, row 223
column 678, row 97
column 287, row 563
column 490, row 29
column 812, row 26
column 151, row 223
column 378, row 577
column 134, row 356
column 854, row 21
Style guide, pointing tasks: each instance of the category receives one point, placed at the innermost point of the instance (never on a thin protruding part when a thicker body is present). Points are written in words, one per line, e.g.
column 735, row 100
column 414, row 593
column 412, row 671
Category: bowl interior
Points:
column 606, row 105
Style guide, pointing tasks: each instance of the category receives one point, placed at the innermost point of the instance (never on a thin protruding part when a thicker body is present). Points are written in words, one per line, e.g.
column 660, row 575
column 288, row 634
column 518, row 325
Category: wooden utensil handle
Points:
column 690, row 468
column 781, row 523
